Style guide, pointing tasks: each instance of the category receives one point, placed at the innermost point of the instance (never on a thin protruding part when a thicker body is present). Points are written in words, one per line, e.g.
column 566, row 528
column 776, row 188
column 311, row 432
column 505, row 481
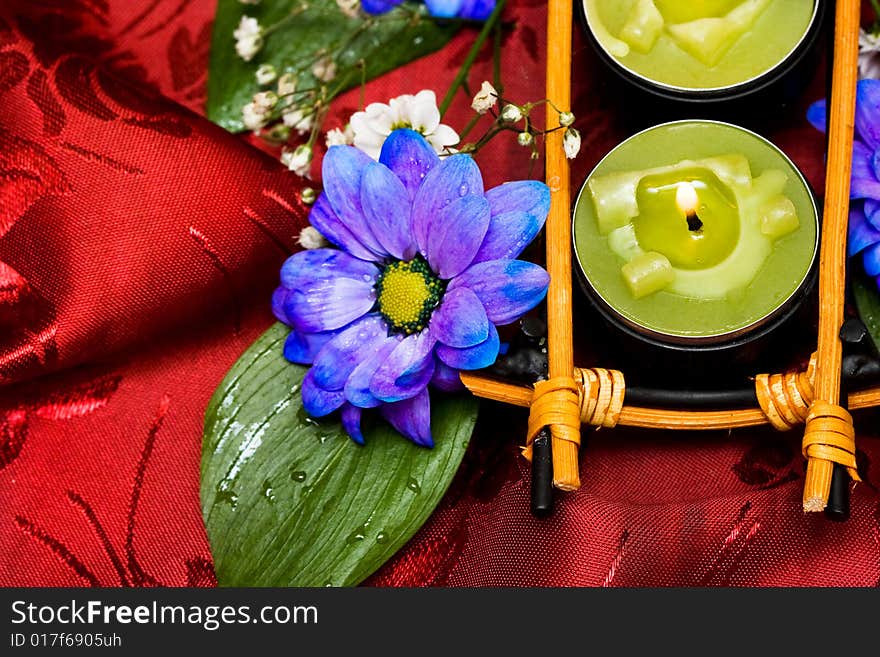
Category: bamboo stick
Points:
column 654, row 418
column 832, row 263
column 558, row 232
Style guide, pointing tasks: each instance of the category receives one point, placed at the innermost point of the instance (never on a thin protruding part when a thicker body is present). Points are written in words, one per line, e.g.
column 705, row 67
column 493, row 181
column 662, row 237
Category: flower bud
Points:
column 566, row 119
column 511, row 113
column 525, row 139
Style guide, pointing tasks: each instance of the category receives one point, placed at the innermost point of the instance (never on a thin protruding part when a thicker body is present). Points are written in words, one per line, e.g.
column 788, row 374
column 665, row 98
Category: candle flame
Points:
column 686, row 198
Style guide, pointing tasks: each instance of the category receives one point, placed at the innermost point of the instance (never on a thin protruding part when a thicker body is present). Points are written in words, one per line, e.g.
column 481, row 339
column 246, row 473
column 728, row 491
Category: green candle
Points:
column 695, row 230
column 699, row 44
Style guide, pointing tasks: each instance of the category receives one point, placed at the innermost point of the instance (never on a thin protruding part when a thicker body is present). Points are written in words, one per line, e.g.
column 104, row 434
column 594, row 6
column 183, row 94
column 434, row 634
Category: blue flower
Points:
column 425, row 270
column 475, row 10
column 864, row 215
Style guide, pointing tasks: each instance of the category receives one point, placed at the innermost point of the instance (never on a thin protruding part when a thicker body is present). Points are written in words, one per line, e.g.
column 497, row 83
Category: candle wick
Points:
column 695, row 224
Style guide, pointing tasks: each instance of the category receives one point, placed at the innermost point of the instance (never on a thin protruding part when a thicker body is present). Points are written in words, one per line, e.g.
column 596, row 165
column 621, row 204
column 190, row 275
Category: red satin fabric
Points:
column 139, row 245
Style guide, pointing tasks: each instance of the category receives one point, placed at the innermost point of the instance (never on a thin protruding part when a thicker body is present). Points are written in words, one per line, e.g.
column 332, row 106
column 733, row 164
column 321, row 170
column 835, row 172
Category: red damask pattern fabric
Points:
column 139, row 245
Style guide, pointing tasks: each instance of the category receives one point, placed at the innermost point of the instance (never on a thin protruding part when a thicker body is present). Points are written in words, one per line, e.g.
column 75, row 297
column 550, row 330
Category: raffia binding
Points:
column 601, row 396
column 593, row 396
column 555, row 404
column 785, row 398
column 829, row 438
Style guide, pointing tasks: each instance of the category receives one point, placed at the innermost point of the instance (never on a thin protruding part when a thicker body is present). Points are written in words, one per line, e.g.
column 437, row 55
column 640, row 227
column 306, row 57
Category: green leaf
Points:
column 289, row 501
column 382, row 42
column 867, row 303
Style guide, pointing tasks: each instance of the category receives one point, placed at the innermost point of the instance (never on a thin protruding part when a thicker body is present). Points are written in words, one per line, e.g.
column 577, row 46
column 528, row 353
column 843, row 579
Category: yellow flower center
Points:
column 407, row 293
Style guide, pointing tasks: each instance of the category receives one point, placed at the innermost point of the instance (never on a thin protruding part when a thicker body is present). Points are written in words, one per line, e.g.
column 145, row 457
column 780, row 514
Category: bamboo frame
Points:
column 832, row 266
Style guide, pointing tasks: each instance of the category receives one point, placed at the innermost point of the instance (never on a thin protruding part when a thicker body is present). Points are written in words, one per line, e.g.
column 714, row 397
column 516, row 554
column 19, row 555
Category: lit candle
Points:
column 695, row 230
column 689, row 47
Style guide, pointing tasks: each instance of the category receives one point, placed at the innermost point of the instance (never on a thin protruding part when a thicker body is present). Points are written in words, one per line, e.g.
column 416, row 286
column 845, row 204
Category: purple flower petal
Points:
column 456, row 234
column 303, row 268
column 410, row 157
column 506, row 288
column 279, row 296
column 443, row 8
column 472, row 358
column 454, row 177
column 351, row 422
column 407, row 370
column 357, row 387
column 872, row 212
column 412, row 418
column 328, row 224
column 864, row 188
column 476, row 10
column 871, row 260
column 303, row 347
column 379, row 6
column 387, row 206
column 446, row 378
column 861, row 233
column 343, row 171
column 316, row 401
column 461, row 320
column 868, row 112
column 337, row 360
column 864, row 164
column 817, row 115
column 329, row 304
column 519, row 210
column 327, row 289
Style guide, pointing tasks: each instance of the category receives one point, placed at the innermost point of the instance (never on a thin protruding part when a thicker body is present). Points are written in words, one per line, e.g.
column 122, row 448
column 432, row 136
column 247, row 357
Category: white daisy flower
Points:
column 419, row 112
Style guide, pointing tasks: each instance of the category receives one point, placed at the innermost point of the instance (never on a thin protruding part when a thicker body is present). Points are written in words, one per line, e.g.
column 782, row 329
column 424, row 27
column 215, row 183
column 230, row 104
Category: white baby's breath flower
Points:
column 419, row 112
column 571, row 143
column 253, row 117
column 300, row 119
column 511, row 113
column 266, row 74
column 286, row 84
column 324, row 69
column 525, row 138
column 349, row 8
column 256, row 113
column 298, row 160
column 485, row 98
column 310, row 238
column 869, row 55
column 266, row 100
column 566, row 119
column 337, row 137
column 248, row 38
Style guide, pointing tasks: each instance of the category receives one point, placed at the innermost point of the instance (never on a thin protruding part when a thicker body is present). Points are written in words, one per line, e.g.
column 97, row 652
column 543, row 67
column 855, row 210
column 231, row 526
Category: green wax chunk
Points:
column 662, row 225
column 699, row 44
column 647, row 273
column 643, row 26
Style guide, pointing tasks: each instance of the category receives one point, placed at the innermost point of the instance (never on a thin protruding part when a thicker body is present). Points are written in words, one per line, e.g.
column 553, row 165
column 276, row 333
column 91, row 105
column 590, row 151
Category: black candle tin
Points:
column 749, row 103
column 726, row 361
